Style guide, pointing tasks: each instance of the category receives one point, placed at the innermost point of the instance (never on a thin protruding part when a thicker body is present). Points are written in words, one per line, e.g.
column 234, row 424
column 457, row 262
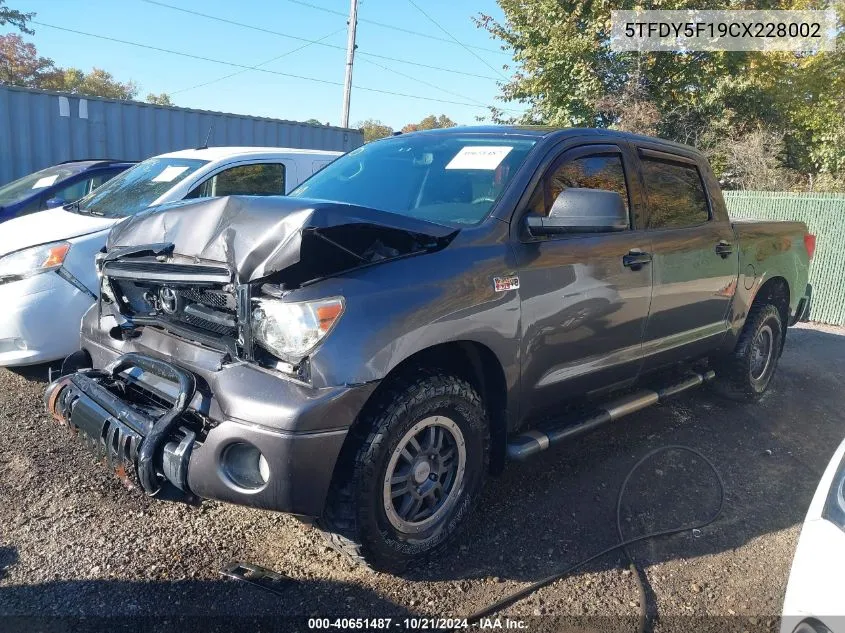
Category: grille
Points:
column 208, row 310
column 211, row 298
column 197, row 321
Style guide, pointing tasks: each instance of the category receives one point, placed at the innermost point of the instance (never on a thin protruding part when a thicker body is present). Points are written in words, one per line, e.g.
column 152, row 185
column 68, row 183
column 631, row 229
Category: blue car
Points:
column 56, row 186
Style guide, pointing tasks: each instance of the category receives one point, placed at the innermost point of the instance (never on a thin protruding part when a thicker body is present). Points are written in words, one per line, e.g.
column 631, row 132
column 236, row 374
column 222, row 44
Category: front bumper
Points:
column 39, row 320
column 181, row 453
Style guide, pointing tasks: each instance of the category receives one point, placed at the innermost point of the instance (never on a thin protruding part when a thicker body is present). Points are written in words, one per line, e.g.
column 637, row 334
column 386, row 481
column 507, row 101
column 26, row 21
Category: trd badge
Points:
column 501, row 284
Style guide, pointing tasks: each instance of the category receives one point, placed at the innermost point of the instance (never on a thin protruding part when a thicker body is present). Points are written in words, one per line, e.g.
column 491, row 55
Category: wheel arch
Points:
column 775, row 291
column 470, row 360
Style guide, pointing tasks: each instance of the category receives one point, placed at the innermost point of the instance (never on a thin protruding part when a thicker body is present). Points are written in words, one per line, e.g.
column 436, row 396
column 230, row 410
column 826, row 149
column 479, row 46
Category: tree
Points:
column 374, row 129
column 20, row 65
column 752, row 161
column 430, row 122
column 15, row 18
column 162, row 99
column 568, row 76
column 98, row 83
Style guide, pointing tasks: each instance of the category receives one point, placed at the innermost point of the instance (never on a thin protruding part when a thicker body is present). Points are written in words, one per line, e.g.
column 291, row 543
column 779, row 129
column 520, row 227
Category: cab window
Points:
column 676, row 195
column 599, row 171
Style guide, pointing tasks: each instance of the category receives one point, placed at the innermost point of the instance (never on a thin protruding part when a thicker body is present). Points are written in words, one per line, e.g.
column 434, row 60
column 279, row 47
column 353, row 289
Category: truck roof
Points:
column 549, row 132
column 217, row 153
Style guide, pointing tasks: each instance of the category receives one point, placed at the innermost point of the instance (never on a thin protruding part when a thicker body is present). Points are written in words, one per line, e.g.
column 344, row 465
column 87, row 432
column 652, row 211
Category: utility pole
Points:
column 350, row 59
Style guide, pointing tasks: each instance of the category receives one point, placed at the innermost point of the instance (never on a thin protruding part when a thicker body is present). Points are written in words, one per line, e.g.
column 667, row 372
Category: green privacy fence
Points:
column 824, row 214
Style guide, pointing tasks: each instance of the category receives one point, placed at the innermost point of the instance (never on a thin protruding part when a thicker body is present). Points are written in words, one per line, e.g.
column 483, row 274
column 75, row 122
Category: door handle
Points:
column 636, row 259
column 724, row 248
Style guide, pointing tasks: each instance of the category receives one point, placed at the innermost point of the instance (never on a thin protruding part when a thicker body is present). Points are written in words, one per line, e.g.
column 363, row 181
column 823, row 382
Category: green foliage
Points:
column 15, row 18
column 430, row 122
column 162, row 99
column 373, row 129
column 568, row 76
column 20, row 65
column 97, row 83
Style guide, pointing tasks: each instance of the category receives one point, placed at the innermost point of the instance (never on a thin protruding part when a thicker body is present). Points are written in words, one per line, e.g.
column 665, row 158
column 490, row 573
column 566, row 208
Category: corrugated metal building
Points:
column 40, row 128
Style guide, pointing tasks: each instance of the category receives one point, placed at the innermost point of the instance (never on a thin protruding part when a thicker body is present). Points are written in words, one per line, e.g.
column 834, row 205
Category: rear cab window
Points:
column 675, row 193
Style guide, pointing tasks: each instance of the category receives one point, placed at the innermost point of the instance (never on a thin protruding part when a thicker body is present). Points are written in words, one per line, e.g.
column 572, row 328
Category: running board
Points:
column 532, row 442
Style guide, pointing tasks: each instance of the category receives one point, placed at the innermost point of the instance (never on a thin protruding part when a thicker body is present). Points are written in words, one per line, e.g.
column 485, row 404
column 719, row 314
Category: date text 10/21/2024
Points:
column 415, row 624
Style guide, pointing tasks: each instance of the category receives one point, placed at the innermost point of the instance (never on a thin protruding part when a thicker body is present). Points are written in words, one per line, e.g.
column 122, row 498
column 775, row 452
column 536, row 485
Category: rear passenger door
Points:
column 694, row 259
column 583, row 308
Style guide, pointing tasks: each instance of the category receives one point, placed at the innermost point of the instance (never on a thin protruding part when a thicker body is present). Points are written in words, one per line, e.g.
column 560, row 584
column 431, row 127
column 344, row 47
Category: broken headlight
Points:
column 32, row 261
column 291, row 330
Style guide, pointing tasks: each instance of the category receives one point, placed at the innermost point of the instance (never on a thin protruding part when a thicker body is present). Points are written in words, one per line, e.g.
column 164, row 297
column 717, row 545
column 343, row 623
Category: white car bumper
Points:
column 39, row 319
column 815, row 594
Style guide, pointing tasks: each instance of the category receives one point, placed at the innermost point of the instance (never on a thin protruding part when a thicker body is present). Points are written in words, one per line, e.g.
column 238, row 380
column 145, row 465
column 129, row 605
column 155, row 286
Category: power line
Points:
column 304, row 39
column 245, row 67
column 257, row 66
column 457, row 41
column 393, row 27
column 436, row 87
column 425, row 83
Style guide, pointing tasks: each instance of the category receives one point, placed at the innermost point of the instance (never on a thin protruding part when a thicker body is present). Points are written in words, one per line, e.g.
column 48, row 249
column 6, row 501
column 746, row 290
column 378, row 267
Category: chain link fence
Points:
column 824, row 214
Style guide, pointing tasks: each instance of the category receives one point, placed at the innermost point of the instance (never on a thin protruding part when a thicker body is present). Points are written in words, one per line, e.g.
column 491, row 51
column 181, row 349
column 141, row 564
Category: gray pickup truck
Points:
column 367, row 350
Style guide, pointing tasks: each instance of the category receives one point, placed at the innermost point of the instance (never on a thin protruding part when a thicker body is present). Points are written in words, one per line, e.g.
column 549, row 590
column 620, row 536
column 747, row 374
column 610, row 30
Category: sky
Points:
column 378, row 63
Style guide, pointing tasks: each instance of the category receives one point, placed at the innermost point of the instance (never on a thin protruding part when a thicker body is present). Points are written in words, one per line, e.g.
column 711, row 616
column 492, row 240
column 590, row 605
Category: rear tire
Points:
column 404, row 494
column 746, row 374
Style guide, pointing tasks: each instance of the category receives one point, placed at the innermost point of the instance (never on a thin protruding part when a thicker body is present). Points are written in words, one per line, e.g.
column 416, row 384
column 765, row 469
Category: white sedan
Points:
column 48, row 278
column 815, row 595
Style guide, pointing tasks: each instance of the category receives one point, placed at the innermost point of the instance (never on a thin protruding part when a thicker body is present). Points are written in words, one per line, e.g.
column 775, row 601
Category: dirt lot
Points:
column 74, row 542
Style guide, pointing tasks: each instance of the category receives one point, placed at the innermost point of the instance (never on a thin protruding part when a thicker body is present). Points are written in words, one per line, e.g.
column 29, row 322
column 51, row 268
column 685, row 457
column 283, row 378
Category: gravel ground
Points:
column 74, row 542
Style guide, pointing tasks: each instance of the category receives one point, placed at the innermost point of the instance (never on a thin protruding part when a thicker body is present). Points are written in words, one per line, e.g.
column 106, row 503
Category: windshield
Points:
column 453, row 179
column 24, row 187
column 136, row 189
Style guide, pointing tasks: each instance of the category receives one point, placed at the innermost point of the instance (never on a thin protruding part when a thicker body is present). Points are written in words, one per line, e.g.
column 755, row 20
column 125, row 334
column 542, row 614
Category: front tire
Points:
column 416, row 476
column 747, row 373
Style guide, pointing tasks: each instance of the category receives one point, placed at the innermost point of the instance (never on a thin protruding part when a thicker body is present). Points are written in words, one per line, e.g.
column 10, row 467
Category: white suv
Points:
column 47, row 273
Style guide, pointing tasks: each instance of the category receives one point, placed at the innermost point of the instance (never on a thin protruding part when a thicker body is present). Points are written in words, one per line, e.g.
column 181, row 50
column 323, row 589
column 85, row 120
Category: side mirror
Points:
column 581, row 211
column 52, row 203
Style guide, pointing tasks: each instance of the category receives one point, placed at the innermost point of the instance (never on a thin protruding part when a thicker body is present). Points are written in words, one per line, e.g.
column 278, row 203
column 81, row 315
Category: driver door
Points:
column 584, row 305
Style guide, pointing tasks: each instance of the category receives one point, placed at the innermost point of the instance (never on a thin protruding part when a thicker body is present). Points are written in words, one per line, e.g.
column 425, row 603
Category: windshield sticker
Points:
column 479, row 157
column 169, row 174
column 45, row 182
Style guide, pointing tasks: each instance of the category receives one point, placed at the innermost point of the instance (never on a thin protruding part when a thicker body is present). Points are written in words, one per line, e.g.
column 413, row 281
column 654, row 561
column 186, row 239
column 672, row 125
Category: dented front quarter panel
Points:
column 405, row 306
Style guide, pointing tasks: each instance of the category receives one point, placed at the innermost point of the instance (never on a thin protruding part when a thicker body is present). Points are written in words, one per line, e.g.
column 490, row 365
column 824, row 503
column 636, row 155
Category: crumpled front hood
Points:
column 259, row 236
